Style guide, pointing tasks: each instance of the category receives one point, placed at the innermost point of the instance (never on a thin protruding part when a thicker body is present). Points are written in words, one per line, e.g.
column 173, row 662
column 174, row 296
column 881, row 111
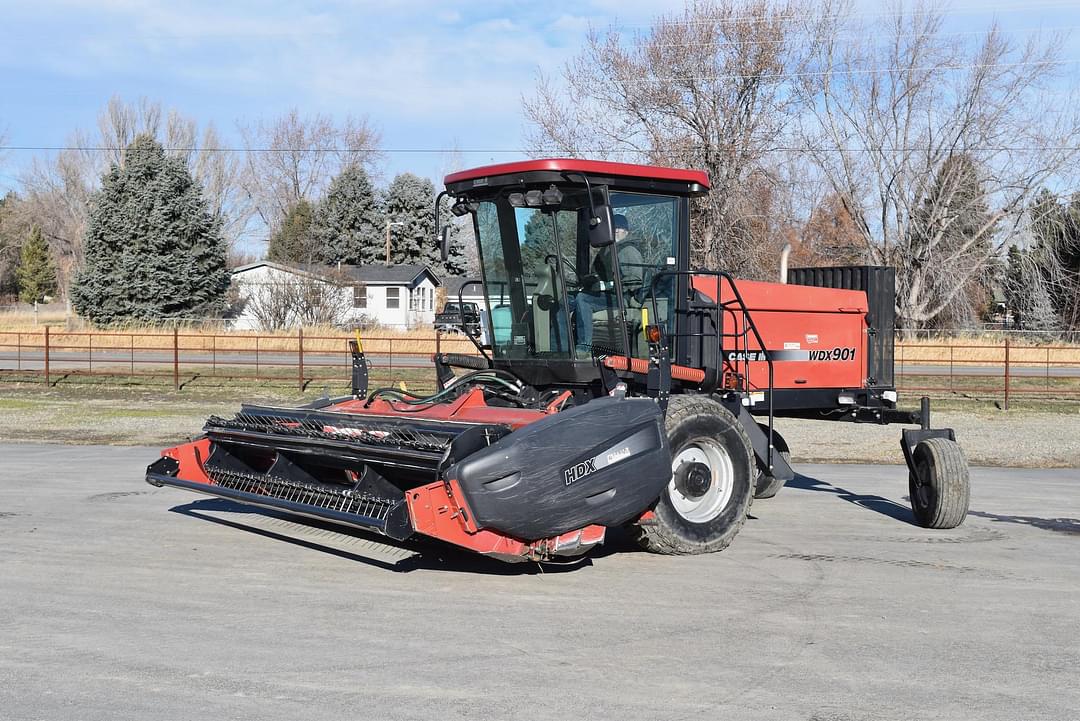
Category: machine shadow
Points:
column 417, row 555
column 878, row 504
column 1068, row 526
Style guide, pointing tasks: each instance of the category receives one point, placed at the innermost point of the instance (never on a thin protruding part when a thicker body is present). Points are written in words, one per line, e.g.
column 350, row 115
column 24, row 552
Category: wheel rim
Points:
column 707, row 506
column 922, row 494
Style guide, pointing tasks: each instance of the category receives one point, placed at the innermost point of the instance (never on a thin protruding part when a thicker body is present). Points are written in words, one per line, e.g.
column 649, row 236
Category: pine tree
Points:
column 1056, row 227
column 1013, row 283
column 292, row 241
column 36, row 273
column 348, row 225
column 457, row 261
column 153, row 250
column 8, row 239
column 410, row 201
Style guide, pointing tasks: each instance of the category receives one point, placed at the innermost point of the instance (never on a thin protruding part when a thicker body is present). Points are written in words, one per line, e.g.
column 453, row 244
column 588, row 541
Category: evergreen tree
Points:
column 457, row 260
column 1056, row 226
column 36, row 273
column 410, row 200
column 1013, row 284
column 153, row 250
column 539, row 241
column 1027, row 294
column 8, row 239
column 348, row 225
column 292, row 241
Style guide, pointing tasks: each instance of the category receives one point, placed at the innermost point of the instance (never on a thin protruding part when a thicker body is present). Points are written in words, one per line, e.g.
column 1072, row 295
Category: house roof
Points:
column 405, row 274
column 310, row 271
column 377, row 274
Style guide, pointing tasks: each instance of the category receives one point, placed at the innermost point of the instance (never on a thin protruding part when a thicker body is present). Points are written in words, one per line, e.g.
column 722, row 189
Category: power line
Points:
column 973, row 9
column 522, row 151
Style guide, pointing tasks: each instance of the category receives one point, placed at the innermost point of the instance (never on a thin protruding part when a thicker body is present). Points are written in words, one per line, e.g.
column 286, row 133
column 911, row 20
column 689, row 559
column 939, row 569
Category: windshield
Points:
column 553, row 296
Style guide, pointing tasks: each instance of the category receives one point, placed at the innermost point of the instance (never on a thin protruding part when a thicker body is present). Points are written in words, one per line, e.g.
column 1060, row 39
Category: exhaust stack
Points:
column 785, row 252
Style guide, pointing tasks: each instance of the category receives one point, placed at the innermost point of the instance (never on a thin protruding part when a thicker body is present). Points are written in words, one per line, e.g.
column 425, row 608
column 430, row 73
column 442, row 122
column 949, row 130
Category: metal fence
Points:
column 50, row 355
column 1004, row 369
column 993, row 367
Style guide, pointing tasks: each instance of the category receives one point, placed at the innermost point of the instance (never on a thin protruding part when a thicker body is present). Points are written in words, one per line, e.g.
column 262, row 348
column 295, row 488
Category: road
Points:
column 121, row 601
column 102, row 359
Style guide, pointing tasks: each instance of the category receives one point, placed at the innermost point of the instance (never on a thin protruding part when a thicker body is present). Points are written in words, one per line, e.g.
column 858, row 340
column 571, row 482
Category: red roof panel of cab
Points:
column 591, row 167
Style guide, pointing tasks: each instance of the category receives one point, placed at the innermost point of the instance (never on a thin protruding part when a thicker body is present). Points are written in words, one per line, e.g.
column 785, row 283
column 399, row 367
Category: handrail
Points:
column 748, row 321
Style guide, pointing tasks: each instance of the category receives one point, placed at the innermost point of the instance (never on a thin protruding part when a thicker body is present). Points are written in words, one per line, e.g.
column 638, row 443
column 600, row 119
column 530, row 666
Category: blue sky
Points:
column 429, row 74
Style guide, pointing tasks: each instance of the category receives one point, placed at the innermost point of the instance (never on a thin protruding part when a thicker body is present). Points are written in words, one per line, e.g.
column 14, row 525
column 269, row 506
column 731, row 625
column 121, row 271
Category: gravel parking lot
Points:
column 121, row 601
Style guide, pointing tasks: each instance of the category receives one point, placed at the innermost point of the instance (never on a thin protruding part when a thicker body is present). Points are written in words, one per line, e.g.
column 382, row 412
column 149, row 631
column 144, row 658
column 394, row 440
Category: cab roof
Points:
column 697, row 181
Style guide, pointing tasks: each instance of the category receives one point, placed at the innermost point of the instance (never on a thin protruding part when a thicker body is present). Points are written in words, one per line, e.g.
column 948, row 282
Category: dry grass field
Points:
column 986, row 349
column 960, row 350
column 22, row 328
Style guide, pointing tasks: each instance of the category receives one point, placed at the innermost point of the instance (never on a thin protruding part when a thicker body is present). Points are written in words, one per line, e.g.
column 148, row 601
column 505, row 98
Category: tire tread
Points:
column 656, row 537
column 950, row 481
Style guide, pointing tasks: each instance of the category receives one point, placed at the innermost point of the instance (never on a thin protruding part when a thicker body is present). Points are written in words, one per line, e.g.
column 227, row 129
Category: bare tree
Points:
column 56, row 191
column 1053, row 247
column 293, row 157
column 56, row 196
column 920, row 131
column 216, row 169
column 286, row 300
column 708, row 88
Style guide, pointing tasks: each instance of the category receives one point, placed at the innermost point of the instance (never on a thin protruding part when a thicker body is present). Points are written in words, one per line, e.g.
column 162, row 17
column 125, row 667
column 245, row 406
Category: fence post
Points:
column 90, row 353
column 391, row 359
column 176, row 358
column 1048, row 369
column 256, row 357
column 46, row 355
column 438, row 342
column 1006, row 373
column 18, row 344
column 951, row 388
column 300, row 353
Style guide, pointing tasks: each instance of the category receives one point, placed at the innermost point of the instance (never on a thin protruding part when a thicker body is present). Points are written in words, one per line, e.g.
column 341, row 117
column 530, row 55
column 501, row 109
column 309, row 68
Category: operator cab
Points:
column 569, row 251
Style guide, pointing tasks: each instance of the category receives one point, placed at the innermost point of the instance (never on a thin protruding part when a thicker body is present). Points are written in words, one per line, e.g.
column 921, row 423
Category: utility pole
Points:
column 388, row 224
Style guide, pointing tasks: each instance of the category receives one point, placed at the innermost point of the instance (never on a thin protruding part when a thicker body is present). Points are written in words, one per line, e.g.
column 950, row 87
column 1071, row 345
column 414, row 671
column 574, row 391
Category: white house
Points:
column 394, row 296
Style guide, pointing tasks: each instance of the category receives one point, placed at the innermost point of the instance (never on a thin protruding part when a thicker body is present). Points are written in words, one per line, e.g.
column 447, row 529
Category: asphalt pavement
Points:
column 122, row 601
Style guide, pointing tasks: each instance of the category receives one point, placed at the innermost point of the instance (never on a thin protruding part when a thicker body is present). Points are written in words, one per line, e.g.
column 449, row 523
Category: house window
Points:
column 393, row 298
column 359, row 296
column 422, row 299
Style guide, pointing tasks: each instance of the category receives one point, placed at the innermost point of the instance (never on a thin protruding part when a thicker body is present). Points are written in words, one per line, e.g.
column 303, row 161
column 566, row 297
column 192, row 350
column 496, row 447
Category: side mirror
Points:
column 444, row 243
column 601, row 232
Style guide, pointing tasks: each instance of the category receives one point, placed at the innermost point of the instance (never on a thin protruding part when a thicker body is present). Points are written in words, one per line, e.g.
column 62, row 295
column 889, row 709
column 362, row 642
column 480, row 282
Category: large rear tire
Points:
column 767, row 486
column 939, row 484
column 712, row 485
